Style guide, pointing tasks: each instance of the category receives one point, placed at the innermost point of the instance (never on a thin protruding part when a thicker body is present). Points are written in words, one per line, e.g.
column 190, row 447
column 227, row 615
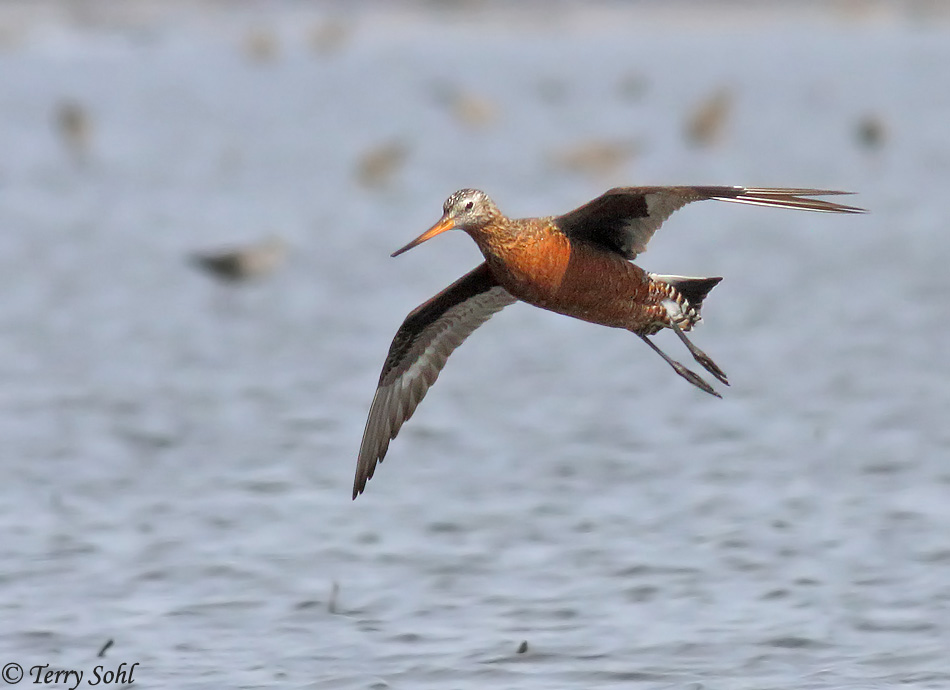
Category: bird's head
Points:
column 467, row 209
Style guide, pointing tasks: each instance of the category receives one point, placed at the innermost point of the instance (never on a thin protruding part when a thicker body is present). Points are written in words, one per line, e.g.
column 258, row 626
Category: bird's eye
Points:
column 469, row 205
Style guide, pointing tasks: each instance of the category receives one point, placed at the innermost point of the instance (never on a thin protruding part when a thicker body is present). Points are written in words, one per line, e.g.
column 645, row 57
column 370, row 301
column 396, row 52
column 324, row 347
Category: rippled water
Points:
column 178, row 454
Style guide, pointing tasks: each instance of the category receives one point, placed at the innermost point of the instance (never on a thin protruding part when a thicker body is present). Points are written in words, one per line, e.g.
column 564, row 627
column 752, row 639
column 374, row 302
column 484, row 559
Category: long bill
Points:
column 445, row 223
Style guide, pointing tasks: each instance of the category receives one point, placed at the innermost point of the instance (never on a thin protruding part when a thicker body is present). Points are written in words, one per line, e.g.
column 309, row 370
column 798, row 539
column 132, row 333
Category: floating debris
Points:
column 105, row 648
column 707, row 124
column 334, row 595
column 242, row 263
column 523, row 647
column 377, row 166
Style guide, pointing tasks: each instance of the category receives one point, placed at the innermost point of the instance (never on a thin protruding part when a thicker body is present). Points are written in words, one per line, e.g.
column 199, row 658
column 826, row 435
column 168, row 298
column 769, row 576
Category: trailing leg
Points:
column 700, row 356
column 690, row 376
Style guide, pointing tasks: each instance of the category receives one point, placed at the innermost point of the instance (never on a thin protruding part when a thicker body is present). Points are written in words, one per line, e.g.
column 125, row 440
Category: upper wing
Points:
column 623, row 219
column 422, row 344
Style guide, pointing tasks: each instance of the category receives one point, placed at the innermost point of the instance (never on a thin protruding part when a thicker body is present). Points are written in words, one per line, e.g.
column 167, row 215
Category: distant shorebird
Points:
column 378, row 166
column 596, row 157
column 75, row 127
column 577, row 264
column 237, row 264
column 707, row 123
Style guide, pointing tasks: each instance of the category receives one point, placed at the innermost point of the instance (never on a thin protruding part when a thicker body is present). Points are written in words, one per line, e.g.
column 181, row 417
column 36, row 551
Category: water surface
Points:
column 178, row 455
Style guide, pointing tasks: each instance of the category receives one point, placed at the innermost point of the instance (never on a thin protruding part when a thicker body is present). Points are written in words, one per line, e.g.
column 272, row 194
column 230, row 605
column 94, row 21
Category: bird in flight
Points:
column 578, row 264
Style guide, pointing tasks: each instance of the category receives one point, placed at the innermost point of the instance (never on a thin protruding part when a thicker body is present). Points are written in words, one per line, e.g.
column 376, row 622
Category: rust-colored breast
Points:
column 544, row 268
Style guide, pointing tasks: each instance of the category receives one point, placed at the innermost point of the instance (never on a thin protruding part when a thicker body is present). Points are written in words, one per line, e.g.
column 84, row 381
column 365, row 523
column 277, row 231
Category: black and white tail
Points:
column 687, row 297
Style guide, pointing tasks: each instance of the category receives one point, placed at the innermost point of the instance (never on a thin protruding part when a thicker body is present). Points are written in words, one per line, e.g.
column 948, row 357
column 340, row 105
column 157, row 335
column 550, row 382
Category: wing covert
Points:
column 623, row 219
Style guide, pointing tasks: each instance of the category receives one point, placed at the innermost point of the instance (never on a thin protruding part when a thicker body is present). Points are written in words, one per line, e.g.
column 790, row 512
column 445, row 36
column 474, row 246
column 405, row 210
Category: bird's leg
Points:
column 699, row 355
column 690, row 376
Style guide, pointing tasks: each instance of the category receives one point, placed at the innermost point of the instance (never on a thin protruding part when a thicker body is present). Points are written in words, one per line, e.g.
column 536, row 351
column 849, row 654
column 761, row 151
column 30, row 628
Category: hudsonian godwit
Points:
column 577, row 264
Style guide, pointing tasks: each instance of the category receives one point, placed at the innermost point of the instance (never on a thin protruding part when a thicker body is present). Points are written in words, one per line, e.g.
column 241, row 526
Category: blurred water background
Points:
column 178, row 452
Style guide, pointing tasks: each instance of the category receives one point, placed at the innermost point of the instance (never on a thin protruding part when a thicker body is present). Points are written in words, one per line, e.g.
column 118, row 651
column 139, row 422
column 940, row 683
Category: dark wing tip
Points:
column 359, row 483
column 364, row 472
column 781, row 197
column 376, row 437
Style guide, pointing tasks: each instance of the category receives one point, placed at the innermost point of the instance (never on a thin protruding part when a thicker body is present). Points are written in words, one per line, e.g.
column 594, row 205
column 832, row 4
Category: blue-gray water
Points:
column 178, row 455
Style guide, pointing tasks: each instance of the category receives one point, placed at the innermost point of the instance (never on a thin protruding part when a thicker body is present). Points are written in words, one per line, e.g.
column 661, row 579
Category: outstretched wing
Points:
column 623, row 219
column 422, row 345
